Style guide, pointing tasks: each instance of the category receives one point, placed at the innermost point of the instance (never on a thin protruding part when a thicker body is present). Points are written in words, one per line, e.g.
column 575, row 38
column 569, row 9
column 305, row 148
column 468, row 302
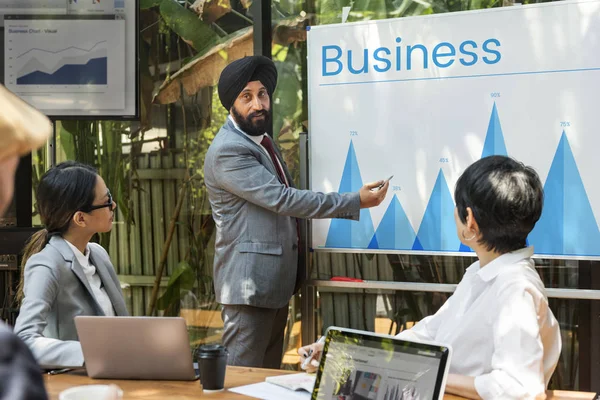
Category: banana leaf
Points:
column 187, row 25
column 182, row 279
column 204, row 69
column 146, row 4
column 211, row 10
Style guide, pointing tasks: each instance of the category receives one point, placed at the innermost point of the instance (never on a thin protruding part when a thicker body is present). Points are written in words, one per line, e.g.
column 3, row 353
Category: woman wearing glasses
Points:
column 63, row 274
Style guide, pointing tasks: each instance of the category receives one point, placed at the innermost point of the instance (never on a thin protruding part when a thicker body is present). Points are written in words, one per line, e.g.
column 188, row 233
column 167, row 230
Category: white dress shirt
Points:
column 93, row 279
column 258, row 140
column 500, row 328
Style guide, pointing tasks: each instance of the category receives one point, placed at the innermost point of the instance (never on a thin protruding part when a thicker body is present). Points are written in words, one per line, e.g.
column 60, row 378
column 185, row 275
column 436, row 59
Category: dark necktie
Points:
column 268, row 145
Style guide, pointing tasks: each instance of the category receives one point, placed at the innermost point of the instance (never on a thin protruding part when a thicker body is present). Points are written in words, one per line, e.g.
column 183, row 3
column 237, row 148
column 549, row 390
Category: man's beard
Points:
column 251, row 126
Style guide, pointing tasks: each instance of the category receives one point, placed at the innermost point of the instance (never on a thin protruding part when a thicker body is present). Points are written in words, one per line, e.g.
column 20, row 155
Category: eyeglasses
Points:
column 108, row 204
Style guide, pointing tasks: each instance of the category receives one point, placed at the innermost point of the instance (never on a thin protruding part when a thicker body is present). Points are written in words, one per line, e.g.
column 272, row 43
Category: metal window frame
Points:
column 378, row 286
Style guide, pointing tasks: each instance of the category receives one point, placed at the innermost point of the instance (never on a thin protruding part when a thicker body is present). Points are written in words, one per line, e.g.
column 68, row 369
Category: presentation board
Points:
column 74, row 60
column 422, row 98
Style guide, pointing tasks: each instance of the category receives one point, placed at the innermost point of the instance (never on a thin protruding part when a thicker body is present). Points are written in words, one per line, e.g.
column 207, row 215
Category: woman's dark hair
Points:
column 506, row 198
column 63, row 190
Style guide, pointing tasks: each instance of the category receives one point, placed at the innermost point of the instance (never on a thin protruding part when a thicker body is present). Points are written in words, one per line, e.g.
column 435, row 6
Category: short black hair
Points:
column 506, row 198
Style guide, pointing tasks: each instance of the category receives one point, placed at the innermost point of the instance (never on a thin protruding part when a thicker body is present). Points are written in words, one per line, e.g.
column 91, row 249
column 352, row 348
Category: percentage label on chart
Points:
column 444, row 160
column 353, row 133
column 396, row 188
column 495, row 94
column 564, row 124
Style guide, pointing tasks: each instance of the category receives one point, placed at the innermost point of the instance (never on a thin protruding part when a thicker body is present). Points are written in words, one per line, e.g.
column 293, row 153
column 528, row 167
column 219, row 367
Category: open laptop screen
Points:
column 360, row 365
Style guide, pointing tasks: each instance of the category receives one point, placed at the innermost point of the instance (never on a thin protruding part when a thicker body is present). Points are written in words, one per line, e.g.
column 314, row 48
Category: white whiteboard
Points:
column 520, row 80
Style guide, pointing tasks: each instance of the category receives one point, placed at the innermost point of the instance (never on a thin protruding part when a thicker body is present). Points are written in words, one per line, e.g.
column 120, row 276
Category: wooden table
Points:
column 236, row 376
column 163, row 390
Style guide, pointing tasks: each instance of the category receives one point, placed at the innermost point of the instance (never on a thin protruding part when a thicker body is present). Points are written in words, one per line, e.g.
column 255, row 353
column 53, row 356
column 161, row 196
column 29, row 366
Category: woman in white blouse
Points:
column 505, row 340
column 64, row 275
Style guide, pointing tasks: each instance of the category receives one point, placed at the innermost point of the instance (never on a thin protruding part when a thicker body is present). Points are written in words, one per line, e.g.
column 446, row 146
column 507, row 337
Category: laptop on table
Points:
column 358, row 365
column 155, row 348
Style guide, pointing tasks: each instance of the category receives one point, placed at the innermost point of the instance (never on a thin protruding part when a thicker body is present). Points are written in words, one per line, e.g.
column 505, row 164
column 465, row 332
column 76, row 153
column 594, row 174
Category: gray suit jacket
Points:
column 56, row 291
column 256, row 248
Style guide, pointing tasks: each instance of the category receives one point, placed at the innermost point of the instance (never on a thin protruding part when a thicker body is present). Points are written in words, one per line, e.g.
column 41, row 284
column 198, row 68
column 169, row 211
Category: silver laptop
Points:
column 361, row 365
column 154, row 348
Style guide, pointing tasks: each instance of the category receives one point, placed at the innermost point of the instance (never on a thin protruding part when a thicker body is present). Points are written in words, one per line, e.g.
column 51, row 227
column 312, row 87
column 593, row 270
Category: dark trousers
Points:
column 253, row 335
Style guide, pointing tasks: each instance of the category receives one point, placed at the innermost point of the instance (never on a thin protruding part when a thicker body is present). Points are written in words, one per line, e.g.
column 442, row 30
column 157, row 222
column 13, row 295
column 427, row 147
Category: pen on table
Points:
column 59, row 371
column 311, row 353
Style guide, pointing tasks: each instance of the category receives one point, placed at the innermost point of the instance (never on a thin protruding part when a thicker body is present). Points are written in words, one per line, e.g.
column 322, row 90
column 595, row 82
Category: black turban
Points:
column 236, row 76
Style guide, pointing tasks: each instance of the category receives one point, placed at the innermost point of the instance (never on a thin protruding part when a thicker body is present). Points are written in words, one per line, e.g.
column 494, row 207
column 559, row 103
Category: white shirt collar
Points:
column 83, row 259
column 255, row 139
column 491, row 270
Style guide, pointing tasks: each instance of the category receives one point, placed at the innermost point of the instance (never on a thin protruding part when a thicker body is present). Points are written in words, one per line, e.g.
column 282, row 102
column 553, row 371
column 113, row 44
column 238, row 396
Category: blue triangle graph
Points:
column 394, row 231
column 438, row 229
column 567, row 225
column 494, row 146
column 345, row 233
column 494, row 139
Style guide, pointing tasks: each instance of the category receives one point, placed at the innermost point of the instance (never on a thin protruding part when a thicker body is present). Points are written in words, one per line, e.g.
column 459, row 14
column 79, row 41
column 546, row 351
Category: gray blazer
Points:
column 56, row 291
column 256, row 248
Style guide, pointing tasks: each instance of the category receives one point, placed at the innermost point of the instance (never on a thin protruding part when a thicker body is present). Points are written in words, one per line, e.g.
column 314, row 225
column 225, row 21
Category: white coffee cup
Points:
column 92, row 392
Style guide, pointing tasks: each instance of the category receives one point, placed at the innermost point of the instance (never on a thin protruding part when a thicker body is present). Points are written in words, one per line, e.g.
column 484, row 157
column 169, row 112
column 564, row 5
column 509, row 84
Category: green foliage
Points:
column 198, row 262
column 288, row 95
column 199, row 142
column 330, row 11
column 187, row 25
column 288, row 111
column 99, row 144
column 182, row 279
column 146, row 4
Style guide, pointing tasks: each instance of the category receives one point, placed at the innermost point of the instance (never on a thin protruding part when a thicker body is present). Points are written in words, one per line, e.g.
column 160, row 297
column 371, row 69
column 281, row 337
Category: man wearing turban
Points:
column 255, row 208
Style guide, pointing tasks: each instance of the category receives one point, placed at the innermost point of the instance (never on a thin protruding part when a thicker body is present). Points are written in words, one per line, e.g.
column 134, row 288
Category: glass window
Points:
column 163, row 226
column 390, row 312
